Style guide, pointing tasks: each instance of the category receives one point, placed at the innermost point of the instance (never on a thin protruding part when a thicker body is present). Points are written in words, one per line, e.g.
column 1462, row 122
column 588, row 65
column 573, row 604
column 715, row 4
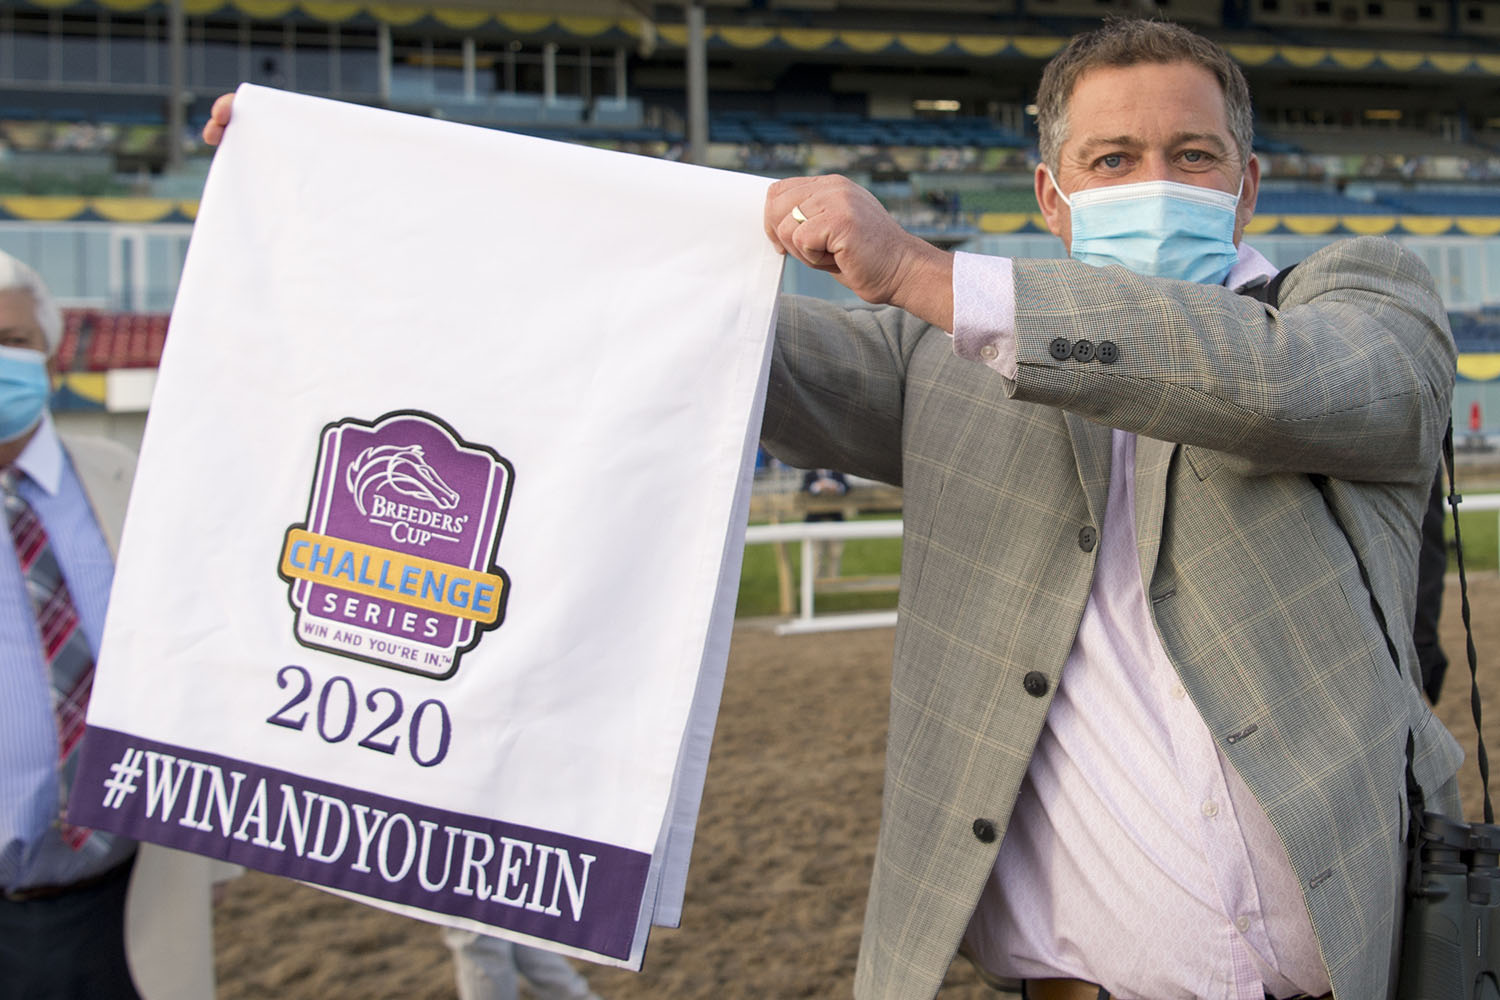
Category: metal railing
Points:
column 806, row 533
column 1486, row 501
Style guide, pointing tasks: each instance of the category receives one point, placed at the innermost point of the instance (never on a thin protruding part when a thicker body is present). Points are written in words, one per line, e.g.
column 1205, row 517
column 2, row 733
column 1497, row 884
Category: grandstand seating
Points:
column 1477, row 331
column 1006, row 199
column 94, row 340
column 1381, row 202
column 97, row 340
column 1442, row 202
column 844, row 129
column 903, row 93
column 1315, row 203
column 1353, row 140
column 1271, row 144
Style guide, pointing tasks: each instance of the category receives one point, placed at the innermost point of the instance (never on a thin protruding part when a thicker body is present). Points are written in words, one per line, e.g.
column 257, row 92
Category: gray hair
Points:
column 1121, row 43
column 16, row 276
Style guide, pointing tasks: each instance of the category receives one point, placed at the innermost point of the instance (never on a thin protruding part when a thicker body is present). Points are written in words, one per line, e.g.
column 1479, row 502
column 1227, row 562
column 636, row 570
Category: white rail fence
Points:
column 808, row 532
column 842, row 531
column 1486, row 501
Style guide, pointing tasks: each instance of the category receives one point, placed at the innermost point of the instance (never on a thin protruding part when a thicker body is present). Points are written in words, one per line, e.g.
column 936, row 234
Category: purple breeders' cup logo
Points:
column 395, row 564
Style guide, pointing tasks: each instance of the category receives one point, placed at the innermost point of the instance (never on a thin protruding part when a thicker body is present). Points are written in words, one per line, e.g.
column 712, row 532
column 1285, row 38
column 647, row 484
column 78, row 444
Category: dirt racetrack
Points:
column 785, row 839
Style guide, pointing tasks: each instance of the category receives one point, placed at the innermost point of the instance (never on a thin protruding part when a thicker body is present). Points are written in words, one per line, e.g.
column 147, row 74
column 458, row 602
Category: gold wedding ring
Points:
column 797, row 214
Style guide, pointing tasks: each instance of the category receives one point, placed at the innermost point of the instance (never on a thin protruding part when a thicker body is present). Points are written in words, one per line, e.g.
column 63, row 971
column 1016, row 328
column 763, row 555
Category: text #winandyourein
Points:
column 371, row 841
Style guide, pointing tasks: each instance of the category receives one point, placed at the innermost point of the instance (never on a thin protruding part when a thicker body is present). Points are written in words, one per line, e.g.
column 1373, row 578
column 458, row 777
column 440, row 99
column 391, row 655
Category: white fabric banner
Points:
column 426, row 584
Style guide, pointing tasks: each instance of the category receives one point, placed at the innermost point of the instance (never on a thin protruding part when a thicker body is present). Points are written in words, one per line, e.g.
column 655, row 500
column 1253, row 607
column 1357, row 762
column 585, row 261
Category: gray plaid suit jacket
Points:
column 1255, row 588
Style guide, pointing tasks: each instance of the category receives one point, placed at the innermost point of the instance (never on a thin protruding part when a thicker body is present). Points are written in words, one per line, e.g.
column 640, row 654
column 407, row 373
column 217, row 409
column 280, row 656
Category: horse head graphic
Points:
column 401, row 468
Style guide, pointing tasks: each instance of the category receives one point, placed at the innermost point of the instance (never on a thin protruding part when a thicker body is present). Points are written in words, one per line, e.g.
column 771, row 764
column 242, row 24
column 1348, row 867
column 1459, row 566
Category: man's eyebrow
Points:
column 1204, row 138
column 1118, row 142
column 1134, row 142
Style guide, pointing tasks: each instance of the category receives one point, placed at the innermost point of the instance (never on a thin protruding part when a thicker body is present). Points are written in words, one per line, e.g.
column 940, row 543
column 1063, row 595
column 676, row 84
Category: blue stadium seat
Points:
column 1266, row 144
column 726, row 131
column 1476, row 332
column 1315, row 203
column 1442, row 203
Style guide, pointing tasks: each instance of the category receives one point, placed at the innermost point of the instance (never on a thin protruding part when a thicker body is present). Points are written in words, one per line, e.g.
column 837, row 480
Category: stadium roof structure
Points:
column 561, row 8
column 783, row 74
column 650, row 24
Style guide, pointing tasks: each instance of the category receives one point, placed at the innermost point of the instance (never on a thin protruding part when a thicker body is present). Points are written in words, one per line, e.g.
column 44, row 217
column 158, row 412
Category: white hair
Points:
column 16, row 276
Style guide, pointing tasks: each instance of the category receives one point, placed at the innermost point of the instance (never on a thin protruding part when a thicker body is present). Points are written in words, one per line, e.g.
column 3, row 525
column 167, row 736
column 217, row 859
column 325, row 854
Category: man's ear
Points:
column 1054, row 209
column 1246, row 208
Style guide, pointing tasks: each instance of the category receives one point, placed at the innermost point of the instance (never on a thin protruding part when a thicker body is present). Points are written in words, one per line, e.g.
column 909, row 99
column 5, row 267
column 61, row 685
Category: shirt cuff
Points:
column 984, row 311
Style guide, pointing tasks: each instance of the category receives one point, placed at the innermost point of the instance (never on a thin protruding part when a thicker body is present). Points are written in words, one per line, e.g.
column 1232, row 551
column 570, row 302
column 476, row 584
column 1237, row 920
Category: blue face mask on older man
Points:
column 1161, row 229
column 24, row 389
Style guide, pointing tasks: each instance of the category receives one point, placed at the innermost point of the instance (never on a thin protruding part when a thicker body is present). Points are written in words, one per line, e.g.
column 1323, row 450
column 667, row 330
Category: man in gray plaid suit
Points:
column 1154, row 676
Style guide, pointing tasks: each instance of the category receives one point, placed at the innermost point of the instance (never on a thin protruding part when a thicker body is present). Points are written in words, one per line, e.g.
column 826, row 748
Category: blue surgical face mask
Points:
column 25, row 388
column 1162, row 229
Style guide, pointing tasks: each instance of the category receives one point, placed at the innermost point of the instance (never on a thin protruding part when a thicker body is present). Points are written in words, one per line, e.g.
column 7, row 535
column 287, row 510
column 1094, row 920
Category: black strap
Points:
column 1454, row 499
column 1273, row 287
column 1268, row 292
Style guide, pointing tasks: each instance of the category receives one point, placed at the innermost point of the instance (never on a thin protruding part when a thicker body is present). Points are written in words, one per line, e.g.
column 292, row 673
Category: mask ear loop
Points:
column 1058, row 187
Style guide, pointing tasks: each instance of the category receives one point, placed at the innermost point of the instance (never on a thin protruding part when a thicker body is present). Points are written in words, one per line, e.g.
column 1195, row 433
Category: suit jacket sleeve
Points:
column 836, row 393
column 1351, row 377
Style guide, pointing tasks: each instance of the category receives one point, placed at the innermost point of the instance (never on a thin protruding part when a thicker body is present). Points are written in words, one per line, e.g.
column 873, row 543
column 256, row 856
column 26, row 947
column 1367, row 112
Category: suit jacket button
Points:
column 1083, row 350
column 1087, row 536
column 1060, row 348
column 1035, row 683
column 985, row 830
column 1107, row 352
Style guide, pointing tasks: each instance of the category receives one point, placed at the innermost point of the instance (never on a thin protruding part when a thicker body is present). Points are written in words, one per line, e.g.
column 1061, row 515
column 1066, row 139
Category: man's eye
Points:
column 1111, row 160
column 1195, row 156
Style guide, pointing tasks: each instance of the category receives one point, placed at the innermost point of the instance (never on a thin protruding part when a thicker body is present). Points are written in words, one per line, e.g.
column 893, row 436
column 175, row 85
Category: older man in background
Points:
column 74, row 902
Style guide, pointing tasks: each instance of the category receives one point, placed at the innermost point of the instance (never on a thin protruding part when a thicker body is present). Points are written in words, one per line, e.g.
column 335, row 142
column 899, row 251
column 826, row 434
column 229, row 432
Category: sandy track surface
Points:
column 785, row 840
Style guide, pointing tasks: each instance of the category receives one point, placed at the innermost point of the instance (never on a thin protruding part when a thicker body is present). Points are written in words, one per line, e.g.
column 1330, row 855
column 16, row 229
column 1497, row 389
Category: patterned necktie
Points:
column 65, row 649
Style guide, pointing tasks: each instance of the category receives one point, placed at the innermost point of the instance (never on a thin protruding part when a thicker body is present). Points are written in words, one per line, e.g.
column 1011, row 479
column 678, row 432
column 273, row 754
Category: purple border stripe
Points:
column 549, row 885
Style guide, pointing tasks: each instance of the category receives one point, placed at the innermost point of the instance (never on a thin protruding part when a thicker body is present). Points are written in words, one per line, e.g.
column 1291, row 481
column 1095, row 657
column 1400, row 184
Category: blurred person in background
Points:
column 828, row 554
column 84, row 914
column 490, row 968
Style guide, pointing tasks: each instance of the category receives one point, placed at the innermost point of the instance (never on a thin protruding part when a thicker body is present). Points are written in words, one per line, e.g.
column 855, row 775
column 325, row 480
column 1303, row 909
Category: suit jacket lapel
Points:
column 106, row 471
column 1091, row 450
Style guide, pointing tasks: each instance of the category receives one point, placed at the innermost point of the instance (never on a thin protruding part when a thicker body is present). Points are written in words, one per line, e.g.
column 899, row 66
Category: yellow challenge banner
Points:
column 395, row 576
